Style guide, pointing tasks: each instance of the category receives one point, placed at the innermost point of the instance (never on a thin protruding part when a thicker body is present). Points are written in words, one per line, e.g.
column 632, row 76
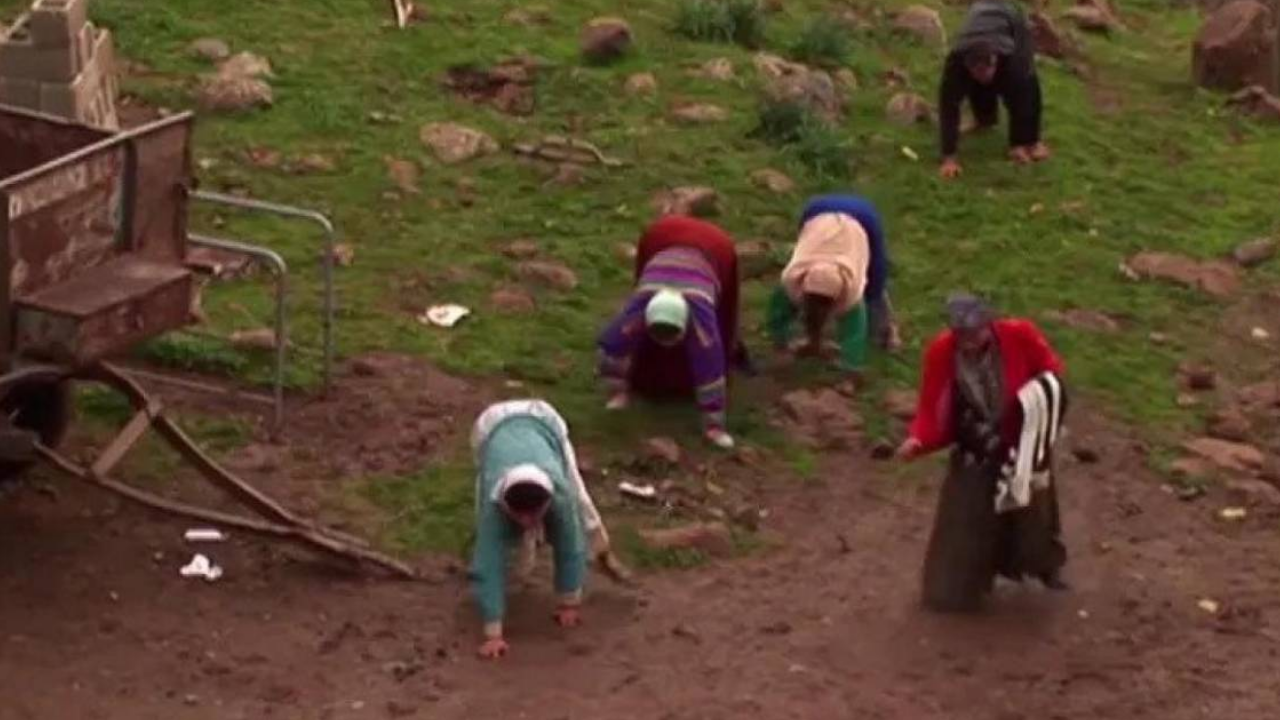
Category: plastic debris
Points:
column 1260, row 334
column 201, row 566
column 642, row 492
column 1233, row 513
column 204, row 535
column 445, row 316
column 910, row 154
column 1209, row 606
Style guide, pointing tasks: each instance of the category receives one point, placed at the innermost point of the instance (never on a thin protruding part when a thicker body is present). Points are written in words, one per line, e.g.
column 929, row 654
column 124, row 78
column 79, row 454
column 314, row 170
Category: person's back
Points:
column 521, row 440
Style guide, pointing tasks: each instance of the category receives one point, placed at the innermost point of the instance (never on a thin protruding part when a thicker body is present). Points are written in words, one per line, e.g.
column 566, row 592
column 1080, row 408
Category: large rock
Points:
column 792, row 82
column 822, row 418
column 1049, row 39
column 1215, row 277
column 512, row 301
column 452, row 143
column 232, row 93
column 606, row 39
column 922, row 23
column 1236, row 48
column 1233, row 456
column 246, row 64
column 551, row 274
column 908, row 109
column 691, row 201
column 773, row 181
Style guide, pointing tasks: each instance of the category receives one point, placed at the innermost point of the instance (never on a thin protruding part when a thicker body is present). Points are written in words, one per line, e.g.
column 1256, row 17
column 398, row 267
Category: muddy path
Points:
column 95, row 622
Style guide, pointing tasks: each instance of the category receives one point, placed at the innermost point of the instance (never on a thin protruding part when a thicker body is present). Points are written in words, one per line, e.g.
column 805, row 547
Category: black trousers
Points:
column 1021, row 101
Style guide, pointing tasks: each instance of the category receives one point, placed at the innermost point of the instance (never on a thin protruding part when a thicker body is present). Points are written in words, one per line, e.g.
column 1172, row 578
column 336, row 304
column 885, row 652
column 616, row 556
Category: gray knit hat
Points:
column 967, row 312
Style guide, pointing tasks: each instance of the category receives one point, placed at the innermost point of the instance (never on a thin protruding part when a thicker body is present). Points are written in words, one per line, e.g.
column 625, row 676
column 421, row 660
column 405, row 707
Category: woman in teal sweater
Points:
column 529, row 483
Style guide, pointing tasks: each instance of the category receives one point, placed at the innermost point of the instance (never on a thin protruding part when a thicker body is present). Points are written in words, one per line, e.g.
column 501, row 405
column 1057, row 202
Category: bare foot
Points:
column 1040, row 152
column 1020, row 155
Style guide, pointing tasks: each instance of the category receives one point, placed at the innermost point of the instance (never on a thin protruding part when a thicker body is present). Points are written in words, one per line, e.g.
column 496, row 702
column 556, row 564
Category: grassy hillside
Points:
column 1143, row 161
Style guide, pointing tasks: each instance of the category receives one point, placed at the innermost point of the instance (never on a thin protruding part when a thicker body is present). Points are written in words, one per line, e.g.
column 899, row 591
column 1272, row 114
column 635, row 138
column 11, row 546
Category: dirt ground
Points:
column 96, row 624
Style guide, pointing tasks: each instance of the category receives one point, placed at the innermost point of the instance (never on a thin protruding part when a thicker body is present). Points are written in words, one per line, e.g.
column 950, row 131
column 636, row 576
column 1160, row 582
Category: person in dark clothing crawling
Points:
column 992, row 61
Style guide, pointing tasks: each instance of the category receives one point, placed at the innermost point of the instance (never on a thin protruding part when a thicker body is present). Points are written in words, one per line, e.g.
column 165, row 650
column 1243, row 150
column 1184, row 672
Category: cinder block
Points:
column 70, row 100
column 21, row 58
column 20, row 93
column 57, row 23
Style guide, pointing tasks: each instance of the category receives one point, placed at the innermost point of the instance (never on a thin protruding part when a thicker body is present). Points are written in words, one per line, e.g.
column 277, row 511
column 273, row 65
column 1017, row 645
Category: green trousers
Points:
column 851, row 328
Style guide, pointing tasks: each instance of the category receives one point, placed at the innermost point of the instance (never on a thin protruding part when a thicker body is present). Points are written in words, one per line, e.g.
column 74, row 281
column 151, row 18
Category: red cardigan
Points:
column 1024, row 354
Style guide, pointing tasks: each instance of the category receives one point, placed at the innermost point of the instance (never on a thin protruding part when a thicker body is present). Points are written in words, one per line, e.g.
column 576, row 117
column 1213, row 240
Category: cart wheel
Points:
column 42, row 407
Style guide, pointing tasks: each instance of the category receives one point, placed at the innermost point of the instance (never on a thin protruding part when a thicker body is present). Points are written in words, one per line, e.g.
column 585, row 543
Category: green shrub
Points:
column 722, row 21
column 823, row 42
column 795, row 128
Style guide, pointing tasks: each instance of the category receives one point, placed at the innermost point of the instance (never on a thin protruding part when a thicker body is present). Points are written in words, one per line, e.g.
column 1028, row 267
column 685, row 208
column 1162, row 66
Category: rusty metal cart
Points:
column 93, row 247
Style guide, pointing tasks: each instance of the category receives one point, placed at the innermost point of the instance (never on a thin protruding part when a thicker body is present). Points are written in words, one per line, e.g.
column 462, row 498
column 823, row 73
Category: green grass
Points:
column 823, row 42
column 1164, row 168
column 722, row 21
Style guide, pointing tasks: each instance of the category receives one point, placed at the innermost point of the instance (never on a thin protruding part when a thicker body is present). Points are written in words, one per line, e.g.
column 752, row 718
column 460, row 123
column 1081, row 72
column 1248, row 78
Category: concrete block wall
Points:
column 55, row 61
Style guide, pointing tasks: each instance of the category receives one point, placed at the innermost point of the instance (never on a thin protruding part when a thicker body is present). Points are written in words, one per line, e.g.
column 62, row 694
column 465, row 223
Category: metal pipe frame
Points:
column 331, row 243
column 281, row 271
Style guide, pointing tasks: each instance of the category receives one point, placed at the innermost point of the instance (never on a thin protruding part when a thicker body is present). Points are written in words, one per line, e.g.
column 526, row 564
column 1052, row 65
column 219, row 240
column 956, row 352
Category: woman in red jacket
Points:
column 969, row 400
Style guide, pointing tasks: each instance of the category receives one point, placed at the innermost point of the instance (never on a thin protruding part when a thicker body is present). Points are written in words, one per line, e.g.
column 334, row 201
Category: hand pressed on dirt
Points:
column 568, row 616
column 950, row 169
column 909, row 449
column 493, row 648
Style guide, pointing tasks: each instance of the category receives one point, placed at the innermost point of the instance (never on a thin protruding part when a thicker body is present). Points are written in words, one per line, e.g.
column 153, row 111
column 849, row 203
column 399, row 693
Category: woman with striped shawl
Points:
column 974, row 377
column 678, row 332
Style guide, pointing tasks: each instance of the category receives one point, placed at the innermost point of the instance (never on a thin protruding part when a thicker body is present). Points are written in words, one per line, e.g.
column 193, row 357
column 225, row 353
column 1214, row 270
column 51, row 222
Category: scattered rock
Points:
column 713, row 538
column 1234, row 47
column 1089, row 18
column 262, row 157
column 906, row 108
column 901, row 404
column 256, row 339
column 403, row 173
column 1237, row 457
column 699, row 113
column 792, row 82
column 662, row 450
column 847, row 79
column 1214, row 277
column 718, row 69
column 1049, row 40
column 211, row 49
column 232, row 94
column 1198, row 377
column 1255, row 492
column 1254, row 252
column 510, row 301
column 1256, row 101
column 824, row 418
column 691, row 201
column 550, row 274
column 311, row 164
column 606, row 39
column 1230, row 424
column 773, row 181
column 1261, row 396
column 521, row 249
column 642, row 84
column 453, row 143
column 1091, row 320
column 922, row 23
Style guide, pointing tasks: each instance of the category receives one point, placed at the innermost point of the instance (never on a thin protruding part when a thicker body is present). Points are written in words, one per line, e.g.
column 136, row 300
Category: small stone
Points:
column 1230, row 424
column 343, row 255
column 699, row 113
column 403, row 173
column 228, row 94
column 642, row 84
column 550, row 274
column 453, row 143
column 1198, row 378
column 313, row 163
column 717, row 69
column 691, row 201
column 211, row 49
column 521, row 249
column 606, row 39
column 773, row 181
column 847, row 79
column 663, row 450
column 906, row 108
column 256, row 339
column 1254, row 253
column 711, row 537
column 1213, row 277
column 512, row 301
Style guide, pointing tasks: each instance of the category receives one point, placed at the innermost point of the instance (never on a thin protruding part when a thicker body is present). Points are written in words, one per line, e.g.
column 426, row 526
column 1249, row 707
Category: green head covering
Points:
column 669, row 308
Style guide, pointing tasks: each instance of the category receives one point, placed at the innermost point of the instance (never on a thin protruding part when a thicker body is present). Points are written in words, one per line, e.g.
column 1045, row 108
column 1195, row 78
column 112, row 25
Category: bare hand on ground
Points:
column 1020, row 155
column 568, row 616
column 950, row 169
column 720, row 438
column 909, row 449
column 1040, row 152
column 494, row 648
column 619, row 401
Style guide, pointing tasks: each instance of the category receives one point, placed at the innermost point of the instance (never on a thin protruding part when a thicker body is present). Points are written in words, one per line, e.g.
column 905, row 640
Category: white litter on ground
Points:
column 445, row 316
column 201, row 566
